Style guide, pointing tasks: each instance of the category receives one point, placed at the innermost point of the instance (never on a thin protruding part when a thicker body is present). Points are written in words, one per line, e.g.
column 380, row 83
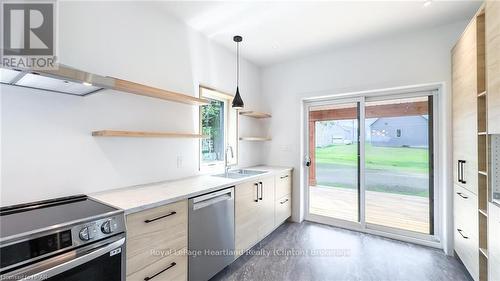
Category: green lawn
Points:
column 414, row 160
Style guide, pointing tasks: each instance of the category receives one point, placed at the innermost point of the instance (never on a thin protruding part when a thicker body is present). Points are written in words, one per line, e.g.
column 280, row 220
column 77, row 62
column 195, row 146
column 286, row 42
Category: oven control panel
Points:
column 98, row 229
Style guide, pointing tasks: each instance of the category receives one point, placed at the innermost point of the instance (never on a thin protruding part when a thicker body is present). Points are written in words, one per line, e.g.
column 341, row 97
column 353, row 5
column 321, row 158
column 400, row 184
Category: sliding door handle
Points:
column 257, row 188
column 459, row 171
column 261, row 191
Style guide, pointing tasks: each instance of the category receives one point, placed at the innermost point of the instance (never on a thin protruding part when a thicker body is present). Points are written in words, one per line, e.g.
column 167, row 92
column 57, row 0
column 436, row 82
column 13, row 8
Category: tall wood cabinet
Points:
column 476, row 116
column 469, row 147
column 465, row 90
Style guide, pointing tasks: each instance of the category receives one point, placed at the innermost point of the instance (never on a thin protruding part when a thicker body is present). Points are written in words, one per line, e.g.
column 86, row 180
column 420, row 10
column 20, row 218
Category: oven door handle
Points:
column 65, row 266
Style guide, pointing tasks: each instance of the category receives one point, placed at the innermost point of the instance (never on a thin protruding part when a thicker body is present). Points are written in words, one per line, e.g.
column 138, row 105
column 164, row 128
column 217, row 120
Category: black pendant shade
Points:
column 237, row 101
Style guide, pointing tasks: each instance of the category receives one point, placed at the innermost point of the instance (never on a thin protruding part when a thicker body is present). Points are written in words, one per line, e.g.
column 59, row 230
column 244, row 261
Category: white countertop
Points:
column 141, row 197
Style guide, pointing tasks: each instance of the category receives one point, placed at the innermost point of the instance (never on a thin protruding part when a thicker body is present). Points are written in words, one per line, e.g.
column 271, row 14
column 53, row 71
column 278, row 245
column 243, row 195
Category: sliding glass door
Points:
column 398, row 179
column 371, row 163
column 334, row 152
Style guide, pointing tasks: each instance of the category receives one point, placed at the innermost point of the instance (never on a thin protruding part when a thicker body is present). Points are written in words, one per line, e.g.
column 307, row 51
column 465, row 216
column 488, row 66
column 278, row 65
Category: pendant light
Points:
column 237, row 101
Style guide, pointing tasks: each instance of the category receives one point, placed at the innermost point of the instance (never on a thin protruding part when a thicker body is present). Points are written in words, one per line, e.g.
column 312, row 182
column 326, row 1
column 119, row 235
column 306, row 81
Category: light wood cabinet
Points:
column 247, row 218
column 465, row 91
column 258, row 210
column 172, row 268
column 283, row 209
column 283, row 184
column 153, row 235
column 266, row 208
column 493, row 65
column 466, row 229
column 283, row 197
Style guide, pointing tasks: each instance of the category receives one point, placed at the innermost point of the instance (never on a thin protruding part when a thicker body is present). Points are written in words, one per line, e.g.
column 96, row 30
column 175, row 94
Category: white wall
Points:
column 412, row 58
column 47, row 149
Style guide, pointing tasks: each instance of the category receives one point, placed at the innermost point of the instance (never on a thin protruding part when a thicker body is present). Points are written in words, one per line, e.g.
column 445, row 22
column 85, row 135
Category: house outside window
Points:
column 218, row 122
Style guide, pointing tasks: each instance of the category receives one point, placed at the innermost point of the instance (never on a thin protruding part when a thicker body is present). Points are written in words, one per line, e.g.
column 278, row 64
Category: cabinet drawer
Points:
column 283, row 184
column 169, row 268
column 160, row 229
column 466, row 229
column 466, row 211
column 283, row 209
column 468, row 251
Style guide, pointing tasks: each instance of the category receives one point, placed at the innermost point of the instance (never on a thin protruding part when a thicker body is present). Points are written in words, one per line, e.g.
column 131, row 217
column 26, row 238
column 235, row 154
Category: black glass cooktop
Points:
column 34, row 216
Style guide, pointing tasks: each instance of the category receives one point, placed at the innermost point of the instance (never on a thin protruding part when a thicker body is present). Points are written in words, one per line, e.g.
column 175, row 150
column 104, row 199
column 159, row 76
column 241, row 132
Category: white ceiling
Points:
column 277, row 31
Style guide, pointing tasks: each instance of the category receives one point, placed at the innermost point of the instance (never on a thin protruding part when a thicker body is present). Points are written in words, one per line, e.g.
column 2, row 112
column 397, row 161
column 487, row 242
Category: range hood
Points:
column 68, row 80
column 65, row 80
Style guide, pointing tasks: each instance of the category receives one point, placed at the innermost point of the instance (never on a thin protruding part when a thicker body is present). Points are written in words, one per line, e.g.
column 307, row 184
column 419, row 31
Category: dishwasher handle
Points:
column 212, row 198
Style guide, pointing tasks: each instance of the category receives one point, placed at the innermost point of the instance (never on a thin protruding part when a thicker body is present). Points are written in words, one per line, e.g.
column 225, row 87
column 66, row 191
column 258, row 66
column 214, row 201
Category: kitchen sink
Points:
column 240, row 173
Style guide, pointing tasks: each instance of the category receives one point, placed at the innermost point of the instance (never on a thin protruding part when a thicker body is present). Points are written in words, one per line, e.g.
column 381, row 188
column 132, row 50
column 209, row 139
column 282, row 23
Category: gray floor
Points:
column 346, row 255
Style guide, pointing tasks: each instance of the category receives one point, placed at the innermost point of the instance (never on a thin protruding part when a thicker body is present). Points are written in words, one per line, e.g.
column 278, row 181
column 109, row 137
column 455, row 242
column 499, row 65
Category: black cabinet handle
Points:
column 460, row 231
column 168, row 267
column 261, row 191
column 284, row 177
column 462, row 195
column 162, row 217
column 257, row 187
column 461, row 171
column 284, row 201
column 463, row 168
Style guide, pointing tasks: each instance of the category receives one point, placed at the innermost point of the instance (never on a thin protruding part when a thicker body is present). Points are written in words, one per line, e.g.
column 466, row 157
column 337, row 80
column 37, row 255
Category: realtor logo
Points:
column 28, row 31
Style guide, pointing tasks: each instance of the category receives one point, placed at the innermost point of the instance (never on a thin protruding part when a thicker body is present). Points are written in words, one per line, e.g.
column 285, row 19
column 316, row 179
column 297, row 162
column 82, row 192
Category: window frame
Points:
column 230, row 115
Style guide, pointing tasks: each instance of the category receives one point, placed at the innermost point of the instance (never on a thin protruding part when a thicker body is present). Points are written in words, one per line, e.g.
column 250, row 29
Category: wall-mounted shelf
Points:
column 254, row 139
column 482, row 94
column 140, row 134
column 67, row 80
column 484, row 252
column 256, row 114
column 483, row 173
column 143, row 90
column 483, row 212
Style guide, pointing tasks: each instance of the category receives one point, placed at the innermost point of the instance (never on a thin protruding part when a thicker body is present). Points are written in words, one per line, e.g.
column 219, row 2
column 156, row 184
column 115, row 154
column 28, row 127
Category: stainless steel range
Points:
column 72, row 239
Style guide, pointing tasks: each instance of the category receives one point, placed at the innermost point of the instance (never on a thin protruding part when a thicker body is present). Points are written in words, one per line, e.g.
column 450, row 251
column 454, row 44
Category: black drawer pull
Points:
column 168, row 267
column 284, row 201
column 460, row 231
column 462, row 195
column 284, row 177
column 162, row 217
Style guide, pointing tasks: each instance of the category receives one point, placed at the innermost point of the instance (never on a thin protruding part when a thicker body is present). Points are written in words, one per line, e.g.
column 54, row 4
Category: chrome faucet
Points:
column 226, row 166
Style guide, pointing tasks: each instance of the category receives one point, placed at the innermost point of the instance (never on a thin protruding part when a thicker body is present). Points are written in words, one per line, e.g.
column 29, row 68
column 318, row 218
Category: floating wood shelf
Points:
column 483, row 173
column 255, row 114
column 483, row 212
column 143, row 90
column 115, row 133
column 482, row 133
column 484, row 252
column 254, row 139
column 482, row 94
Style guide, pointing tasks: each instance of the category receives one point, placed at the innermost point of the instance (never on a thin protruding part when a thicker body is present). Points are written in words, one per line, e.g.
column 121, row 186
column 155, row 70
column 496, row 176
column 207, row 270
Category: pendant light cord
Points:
column 237, row 64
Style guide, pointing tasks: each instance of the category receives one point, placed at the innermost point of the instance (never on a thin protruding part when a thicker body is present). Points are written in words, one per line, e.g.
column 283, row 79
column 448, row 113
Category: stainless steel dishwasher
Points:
column 211, row 233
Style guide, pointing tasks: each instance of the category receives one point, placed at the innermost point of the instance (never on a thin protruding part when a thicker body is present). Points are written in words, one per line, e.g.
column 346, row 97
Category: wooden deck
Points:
column 387, row 209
